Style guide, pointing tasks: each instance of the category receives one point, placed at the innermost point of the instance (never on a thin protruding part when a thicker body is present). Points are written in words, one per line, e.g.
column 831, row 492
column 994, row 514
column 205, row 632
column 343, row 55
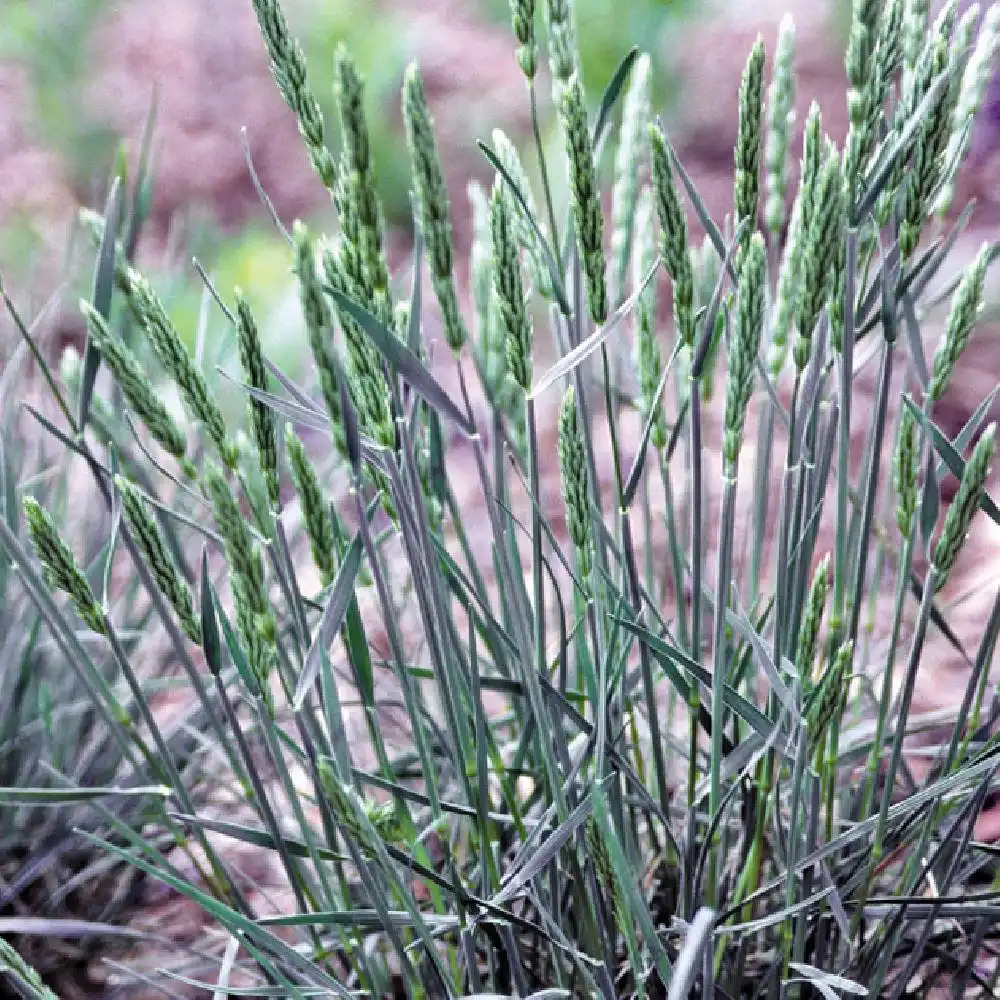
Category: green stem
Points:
column 842, row 555
column 719, row 670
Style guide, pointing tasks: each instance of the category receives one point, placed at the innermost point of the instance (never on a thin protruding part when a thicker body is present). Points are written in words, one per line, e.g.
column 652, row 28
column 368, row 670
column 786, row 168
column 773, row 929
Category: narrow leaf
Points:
column 612, row 92
column 332, row 619
column 583, row 350
column 104, row 281
column 409, row 366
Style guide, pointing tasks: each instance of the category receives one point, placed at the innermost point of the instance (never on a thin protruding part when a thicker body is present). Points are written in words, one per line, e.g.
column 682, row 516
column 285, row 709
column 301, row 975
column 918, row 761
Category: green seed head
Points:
column 289, row 67
column 812, row 619
column 61, row 568
column 648, row 362
column 491, row 346
column 254, row 615
column 509, row 290
column 349, row 91
column 347, row 808
column 673, row 235
column 135, row 385
column 261, row 416
column 319, row 329
column 928, row 167
column 575, row 482
column 812, row 163
column 432, row 200
column 823, row 245
column 789, row 282
column 366, row 379
column 860, row 50
column 522, row 15
column 146, row 533
column 965, row 306
column 744, row 349
column 585, row 197
column 746, row 192
column 889, row 52
column 563, row 58
column 172, row 354
column 977, row 74
column 780, row 118
column 632, row 145
column 914, row 31
column 905, row 472
column 359, row 186
column 315, row 509
column 825, row 701
column 527, row 236
column 964, row 505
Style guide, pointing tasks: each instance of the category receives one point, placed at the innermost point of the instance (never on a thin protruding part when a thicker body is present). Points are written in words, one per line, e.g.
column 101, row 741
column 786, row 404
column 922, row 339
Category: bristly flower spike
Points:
column 289, row 67
column 62, row 571
column 432, row 199
column 261, row 415
column 746, row 190
column 673, row 235
column 575, row 483
column 743, row 350
column 780, row 118
column 588, row 220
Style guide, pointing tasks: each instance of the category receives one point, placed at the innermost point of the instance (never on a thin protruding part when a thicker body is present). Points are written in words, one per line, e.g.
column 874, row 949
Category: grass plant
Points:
column 633, row 740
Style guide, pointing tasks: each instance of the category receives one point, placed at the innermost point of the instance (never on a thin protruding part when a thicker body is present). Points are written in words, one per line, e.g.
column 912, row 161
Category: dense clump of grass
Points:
column 695, row 783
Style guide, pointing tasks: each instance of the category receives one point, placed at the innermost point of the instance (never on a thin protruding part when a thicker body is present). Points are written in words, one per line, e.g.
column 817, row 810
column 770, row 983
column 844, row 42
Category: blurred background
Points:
column 78, row 77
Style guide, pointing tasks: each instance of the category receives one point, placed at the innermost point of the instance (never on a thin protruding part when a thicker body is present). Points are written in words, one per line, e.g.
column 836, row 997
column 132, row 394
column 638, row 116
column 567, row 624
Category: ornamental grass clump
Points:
column 556, row 678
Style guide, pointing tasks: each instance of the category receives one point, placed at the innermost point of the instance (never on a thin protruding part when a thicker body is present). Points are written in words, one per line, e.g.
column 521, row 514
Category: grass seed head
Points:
column 915, row 23
column 906, row 472
column 780, row 118
column 744, row 349
column 563, row 56
column 254, row 614
column 673, row 235
column 648, row 361
column 433, row 203
column 135, row 385
column 588, row 219
column 575, row 481
column 261, row 415
column 824, row 243
column 964, row 505
column 927, row 169
column 148, row 537
column 746, row 190
column 975, row 79
column 361, row 192
column 965, row 306
column 288, row 65
column 787, row 296
column 812, row 619
column 316, row 313
column 509, row 290
column 522, row 16
column 315, row 509
column 633, row 142
column 527, row 236
column 62, row 571
column 825, row 702
column 172, row 354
